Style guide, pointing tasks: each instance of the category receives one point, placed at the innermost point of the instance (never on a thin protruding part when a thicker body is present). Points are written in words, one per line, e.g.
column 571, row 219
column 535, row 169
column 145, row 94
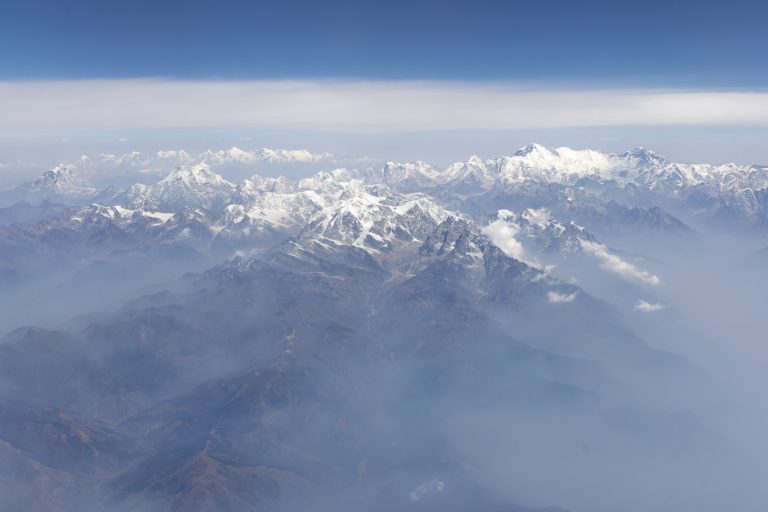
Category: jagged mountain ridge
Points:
column 639, row 167
column 199, row 186
column 195, row 208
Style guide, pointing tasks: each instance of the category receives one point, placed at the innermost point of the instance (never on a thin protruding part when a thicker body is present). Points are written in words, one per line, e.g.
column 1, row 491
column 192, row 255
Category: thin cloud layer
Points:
column 561, row 298
column 648, row 307
column 30, row 108
column 618, row 266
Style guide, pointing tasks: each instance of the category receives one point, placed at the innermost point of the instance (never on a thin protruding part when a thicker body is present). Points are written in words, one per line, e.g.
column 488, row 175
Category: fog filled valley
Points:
column 552, row 330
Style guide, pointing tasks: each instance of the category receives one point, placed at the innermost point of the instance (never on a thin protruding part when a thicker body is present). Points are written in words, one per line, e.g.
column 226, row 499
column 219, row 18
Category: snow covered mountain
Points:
column 538, row 176
column 405, row 176
column 175, row 157
column 566, row 166
column 540, row 200
column 727, row 195
column 261, row 341
column 195, row 186
column 536, row 230
column 383, row 211
column 123, row 169
column 376, row 221
column 533, row 162
column 60, row 184
column 240, row 156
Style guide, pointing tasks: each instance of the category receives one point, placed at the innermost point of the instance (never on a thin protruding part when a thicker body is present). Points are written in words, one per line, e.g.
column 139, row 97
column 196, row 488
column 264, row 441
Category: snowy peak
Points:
column 560, row 165
column 471, row 175
column 533, row 149
column 194, row 175
column 535, row 230
column 272, row 203
column 567, row 181
column 533, row 162
column 61, row 182
column 376, row 222
column 59, row 175
column 133, row 158
column 130, row 159
column 174, row 154
column 259, row 184
column 566, row 166
column 235, row 155
column 291, row 155
column 644, row 158
column 332, row 182
column 407, row 176
column 232, row 155
column 193, row 186
column 163, row 161
column 460, row 245
column 137, row 159
column 562, row 159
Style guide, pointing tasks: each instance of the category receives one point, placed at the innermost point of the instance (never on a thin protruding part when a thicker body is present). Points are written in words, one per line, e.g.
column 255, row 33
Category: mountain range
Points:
column 388, row 337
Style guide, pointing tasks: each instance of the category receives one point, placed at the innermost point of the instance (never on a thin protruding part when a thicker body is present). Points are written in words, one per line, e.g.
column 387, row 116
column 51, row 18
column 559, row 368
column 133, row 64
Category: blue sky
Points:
column 700, row 43
column 419, row 79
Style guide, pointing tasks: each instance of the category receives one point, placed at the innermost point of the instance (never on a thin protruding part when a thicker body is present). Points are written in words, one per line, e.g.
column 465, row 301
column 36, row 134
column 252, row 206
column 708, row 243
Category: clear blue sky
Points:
column 686, row 43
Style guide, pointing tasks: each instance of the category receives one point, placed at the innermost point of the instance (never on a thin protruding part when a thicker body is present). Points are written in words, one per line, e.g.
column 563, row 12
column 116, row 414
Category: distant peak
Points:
column 59, row 171
column 173, row 153
column 236, row 151
column 195, row 174
column 62, row 178
column 530, row 149
column 643, row 155
column 475, row 159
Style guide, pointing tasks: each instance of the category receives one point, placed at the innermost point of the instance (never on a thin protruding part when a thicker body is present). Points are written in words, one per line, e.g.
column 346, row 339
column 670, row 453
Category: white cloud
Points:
column 341, row 105
column 613, row 263
column 560, row 298
column 648, row 307
column 502, row 233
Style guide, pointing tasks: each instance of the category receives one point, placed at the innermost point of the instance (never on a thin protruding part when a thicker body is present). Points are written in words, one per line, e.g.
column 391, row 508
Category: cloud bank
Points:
column 28, row 108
